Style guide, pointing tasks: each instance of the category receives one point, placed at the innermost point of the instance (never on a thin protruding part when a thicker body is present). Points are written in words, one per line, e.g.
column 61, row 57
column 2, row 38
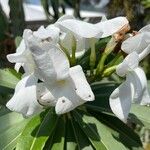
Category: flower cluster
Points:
column 134, row 89
column 52, row 79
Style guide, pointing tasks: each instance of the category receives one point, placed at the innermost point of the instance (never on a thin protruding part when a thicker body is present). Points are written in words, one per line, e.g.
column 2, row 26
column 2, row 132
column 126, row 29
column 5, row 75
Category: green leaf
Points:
column 81, row 138
column 89, row 129
column 9, row 78
column 140, row 115
column 37, row 131
column 11, row 126
column 5, row 94
column 89, row 123
column 102, row 92
column 70, row 141
column 119, row 130
column 59, row 135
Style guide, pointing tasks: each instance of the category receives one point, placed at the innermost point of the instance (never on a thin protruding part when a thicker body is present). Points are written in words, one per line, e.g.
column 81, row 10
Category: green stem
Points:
column 65, row 51
column 92, row 55
column 107, row 72
column 109, row 48
column 118, row 57
column 74, row 47
column 101, row 63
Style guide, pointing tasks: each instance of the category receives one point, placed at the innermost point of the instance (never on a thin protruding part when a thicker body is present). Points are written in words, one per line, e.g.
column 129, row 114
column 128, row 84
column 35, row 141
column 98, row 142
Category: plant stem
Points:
column 92, row 55
column 109, row 48
column 109, row 71
column 74, row 47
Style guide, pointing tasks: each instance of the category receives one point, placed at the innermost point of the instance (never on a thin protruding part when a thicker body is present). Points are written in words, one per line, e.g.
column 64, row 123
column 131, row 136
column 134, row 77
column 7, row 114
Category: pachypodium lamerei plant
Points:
column 54, row 75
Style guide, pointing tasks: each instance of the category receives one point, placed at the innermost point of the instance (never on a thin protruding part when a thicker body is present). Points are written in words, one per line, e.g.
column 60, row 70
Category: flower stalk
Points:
column 74, row 47
column 92, row 55
column 109, row 48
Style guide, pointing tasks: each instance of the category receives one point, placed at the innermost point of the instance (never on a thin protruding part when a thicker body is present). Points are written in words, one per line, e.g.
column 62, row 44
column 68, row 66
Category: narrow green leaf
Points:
column 90, row 129
column 9, row 78
column 59, row 135
column 119, row 130
column 106, row 138
column 37, row 131
column 11, row 126
column 102, row 92
column 140, row 115
column 83, row 142
column 70, row 141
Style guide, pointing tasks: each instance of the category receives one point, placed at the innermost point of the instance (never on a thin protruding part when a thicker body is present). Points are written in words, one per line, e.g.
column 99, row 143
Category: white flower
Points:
column 24, row 100
column 23, row 56
column 139, row 43
column 134, row 89
column 84, row 31
column 67, row 86
column 63, row 87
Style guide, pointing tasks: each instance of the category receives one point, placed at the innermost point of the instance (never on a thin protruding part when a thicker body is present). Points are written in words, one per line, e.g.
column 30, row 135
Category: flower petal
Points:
column 54, row 33
column 24, row 100
column 129, row 64
column 45, row 97
column 79, row 28
column 111, row 26
column 64, row 105
column 145, row 29
column 82, row 87
column 51, row 33
column 139, row 82
column 18, row 66
column 120, row 99
column 145, row 52
column 136, row 43
column 51, row 62
column 66, row 41
column 19, row 55
column 65, row 93
column 145, row 100
column 65, row 17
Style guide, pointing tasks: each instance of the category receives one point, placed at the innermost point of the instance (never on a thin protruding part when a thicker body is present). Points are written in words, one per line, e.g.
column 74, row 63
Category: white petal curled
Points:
column 45, row 97
column 138, row 42
column 51, row 33
column 19, row 55
column 65, row 17
column 111, row 26
column 51, row 62
column 24, row 100
column 139, row 82
column 134, row 89
column 73, row 92
column 129, row 64
column 82, row 87
column 79, row 28
column 64, row 105
column 145, row 29
column 66, row 41
column 120, row 99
